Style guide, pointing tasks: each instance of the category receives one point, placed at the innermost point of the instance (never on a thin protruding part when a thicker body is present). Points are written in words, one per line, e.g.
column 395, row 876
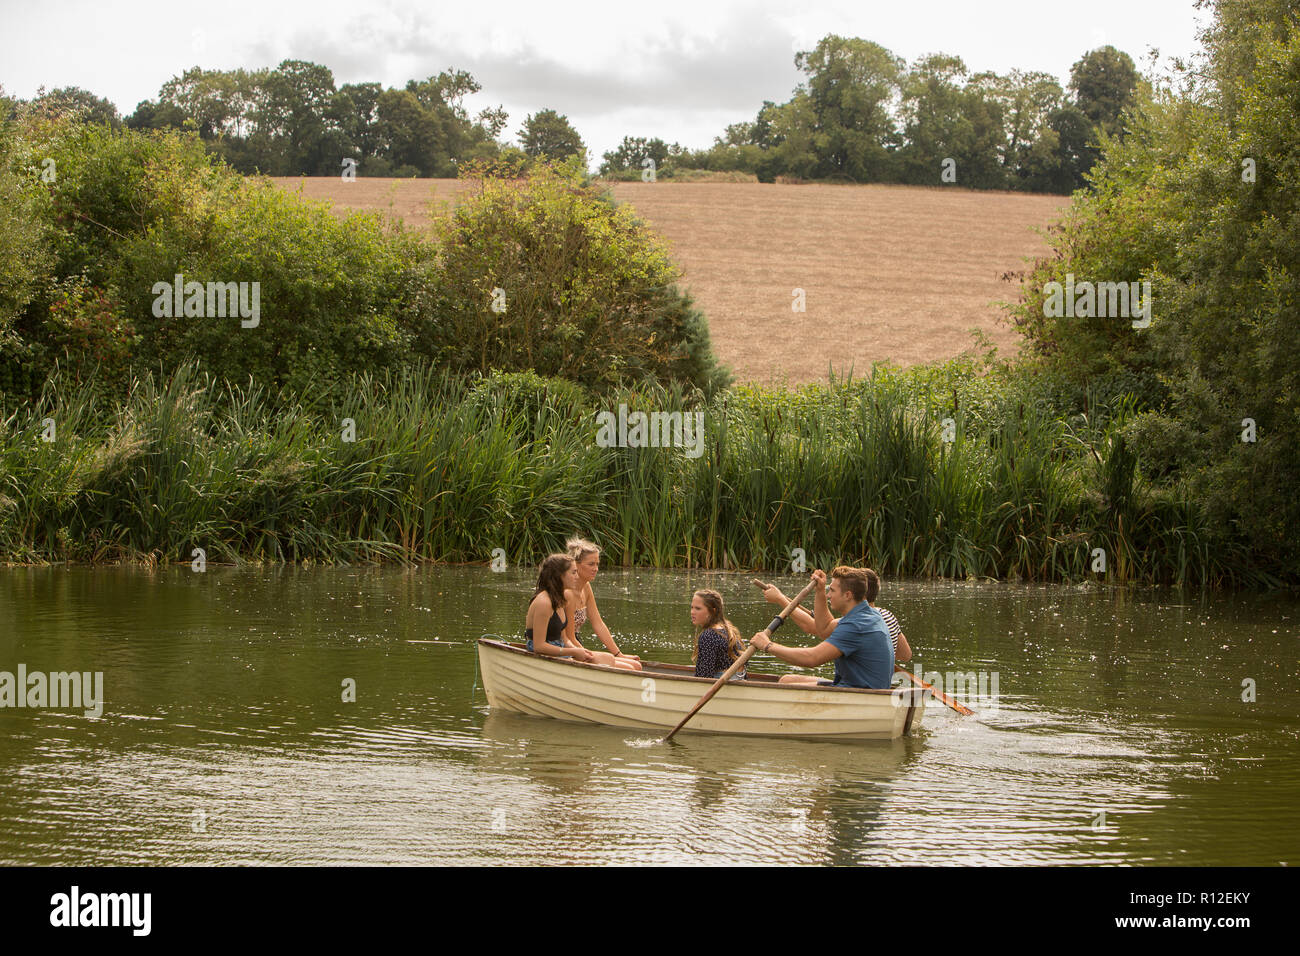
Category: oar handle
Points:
column 763, row 586
column 789, row 608
column 745, row 655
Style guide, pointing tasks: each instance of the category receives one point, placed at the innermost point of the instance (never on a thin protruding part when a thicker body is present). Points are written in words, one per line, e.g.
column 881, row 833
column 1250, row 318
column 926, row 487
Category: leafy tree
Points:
column 354, row 111
column 737, row 134
column 412, row 135
column 737, row 150
column 1040, row 168
column 293, row 120
column 763, row 134
column 492, row 120
column 297, row 97
column 550, row 136
column 80, row 104
column 794, row 138
column 850, row 84
column 442, row 97
column 150, row 114
column 586, row 292
column 1104, row 82
column 1175, row 203
column 1026, row 99
column 205, row 96
column 1076, row 149
column 631, row 154
column 949, row 118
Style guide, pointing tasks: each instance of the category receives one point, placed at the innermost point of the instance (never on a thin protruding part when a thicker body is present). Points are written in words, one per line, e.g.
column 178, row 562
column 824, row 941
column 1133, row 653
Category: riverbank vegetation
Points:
column 435, row 398
column 543, row 273
column 959, row 470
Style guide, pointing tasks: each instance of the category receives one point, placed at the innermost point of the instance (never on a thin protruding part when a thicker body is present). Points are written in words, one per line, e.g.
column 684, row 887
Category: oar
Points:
column 744, row 656
column 938, row 694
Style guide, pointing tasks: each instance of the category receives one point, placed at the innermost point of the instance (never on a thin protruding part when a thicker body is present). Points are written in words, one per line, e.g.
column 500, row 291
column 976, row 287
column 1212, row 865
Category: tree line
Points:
column 863, row 115
column 860, row 114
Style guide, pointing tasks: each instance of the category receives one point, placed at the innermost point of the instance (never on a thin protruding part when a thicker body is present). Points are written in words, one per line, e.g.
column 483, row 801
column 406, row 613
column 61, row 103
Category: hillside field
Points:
column 888, row 272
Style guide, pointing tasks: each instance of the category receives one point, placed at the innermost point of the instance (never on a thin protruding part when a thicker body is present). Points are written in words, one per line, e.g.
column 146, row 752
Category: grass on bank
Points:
column 954, row 471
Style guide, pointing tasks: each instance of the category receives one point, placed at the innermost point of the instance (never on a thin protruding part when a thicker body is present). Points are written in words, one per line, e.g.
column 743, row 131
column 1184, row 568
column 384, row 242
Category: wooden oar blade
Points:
column 939, row 695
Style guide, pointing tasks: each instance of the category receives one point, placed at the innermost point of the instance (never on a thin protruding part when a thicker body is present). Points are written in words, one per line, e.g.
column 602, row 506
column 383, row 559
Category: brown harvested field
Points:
column 903, row 272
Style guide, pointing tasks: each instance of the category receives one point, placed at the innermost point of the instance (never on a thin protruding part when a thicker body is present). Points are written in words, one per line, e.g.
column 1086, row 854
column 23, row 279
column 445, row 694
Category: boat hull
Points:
column 660, row 695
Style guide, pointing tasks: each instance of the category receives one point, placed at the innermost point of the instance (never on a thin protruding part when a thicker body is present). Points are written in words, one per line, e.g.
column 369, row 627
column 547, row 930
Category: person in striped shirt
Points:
column 902, row 650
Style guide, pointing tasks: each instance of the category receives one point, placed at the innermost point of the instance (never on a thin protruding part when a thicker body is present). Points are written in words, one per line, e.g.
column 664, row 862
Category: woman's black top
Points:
column 554, row 630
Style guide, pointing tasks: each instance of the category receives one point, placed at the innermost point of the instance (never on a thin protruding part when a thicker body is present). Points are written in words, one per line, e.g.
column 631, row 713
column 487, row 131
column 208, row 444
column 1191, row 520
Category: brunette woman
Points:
column 545, row 625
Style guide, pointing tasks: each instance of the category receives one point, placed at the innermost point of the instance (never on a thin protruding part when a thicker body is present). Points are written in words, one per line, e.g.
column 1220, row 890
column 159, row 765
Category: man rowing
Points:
column 859, row 645
column 823, row 628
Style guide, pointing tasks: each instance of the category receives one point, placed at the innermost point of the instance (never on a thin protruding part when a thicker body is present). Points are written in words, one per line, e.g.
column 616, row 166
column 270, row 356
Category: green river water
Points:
column 1119, row 733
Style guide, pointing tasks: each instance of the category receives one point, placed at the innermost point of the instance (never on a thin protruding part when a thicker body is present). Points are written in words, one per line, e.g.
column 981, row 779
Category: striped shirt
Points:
column 891, row 622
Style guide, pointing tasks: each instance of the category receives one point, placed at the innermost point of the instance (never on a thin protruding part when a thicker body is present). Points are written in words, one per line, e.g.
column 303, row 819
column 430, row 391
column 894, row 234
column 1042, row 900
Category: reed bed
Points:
column 969, row 480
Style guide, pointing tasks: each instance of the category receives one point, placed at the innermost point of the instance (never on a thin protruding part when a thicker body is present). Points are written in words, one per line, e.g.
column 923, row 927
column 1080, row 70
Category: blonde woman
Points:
column 717, row 641
column 582, row 607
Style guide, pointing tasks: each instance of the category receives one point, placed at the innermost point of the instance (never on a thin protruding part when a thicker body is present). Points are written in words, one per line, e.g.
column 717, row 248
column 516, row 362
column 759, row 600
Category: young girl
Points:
column 544, row 626
column 717, row 642
column 582, row 606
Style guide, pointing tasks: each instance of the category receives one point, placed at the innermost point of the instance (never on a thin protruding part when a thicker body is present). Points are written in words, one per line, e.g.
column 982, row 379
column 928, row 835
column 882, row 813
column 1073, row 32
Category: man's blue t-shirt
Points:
column 862, row 638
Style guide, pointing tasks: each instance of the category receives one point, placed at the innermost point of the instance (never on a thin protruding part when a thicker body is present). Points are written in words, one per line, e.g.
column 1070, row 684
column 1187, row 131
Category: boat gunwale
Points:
column 924, row 692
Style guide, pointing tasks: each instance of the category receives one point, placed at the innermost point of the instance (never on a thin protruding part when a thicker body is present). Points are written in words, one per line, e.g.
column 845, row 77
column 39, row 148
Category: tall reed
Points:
column 912, row 475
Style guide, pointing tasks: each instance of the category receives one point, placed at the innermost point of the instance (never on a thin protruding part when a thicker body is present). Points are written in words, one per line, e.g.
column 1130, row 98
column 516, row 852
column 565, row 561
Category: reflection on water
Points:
column 1120, row 735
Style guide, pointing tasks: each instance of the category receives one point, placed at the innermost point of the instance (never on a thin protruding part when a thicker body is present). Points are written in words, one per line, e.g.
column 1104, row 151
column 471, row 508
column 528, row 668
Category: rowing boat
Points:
column 659, row 695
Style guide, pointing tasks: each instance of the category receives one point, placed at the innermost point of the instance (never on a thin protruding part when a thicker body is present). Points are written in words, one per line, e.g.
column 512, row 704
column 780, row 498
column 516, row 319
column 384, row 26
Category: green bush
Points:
column 586, row 291
column 590, row 290
column 128, row 210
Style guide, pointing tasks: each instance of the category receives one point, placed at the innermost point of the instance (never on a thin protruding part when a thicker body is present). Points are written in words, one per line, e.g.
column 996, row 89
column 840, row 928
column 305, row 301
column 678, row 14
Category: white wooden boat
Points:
column 660, row 695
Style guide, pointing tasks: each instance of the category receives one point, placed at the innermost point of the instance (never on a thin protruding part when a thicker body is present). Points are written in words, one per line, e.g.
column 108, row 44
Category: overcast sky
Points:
column 681, row 70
